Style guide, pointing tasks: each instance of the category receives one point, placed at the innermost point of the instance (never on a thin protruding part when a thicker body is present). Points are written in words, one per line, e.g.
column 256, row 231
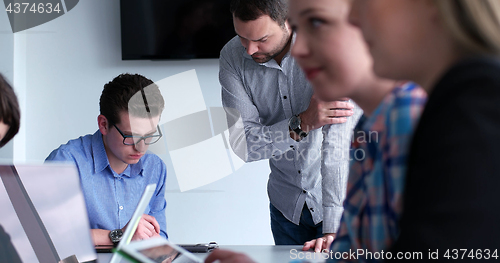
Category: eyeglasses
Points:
column 133, row 140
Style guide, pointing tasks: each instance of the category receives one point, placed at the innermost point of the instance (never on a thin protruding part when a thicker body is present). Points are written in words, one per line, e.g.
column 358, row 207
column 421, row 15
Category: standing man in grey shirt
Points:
column 273, row 115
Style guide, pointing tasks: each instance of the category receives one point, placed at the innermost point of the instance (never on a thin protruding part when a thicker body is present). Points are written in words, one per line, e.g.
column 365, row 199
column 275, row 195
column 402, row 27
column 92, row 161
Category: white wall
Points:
column 60, row 69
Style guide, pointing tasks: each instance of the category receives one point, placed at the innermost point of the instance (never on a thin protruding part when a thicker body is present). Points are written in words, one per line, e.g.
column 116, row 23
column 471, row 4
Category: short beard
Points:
column 275, row 52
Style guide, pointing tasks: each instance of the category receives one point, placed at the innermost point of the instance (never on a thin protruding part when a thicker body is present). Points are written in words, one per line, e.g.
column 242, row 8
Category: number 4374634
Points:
column 470, row 254
column 35, row 8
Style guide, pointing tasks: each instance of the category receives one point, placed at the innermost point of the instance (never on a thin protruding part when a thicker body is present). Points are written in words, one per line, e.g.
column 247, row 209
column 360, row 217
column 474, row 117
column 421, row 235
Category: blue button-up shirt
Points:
column 111, row 198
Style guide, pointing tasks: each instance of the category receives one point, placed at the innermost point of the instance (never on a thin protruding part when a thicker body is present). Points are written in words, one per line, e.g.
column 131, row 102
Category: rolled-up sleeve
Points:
column 335, row 169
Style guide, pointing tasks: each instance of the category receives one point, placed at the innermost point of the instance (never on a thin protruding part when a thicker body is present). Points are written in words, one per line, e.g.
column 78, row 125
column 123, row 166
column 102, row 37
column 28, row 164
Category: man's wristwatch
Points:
column 115, row 236
column 294, row 125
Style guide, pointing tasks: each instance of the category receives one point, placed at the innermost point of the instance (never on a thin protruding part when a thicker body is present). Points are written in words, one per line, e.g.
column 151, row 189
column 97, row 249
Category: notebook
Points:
column 44, row 218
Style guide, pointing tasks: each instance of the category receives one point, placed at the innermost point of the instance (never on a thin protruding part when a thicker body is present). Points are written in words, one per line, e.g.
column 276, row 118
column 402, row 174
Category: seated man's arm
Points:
column 101, row 237
column 148, row 227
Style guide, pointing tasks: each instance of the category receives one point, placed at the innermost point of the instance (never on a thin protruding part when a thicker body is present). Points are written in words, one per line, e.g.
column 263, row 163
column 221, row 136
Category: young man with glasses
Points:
column 114, row 164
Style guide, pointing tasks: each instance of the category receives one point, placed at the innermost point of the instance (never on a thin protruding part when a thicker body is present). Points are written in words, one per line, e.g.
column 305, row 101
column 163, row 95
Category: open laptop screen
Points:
column 44, row 214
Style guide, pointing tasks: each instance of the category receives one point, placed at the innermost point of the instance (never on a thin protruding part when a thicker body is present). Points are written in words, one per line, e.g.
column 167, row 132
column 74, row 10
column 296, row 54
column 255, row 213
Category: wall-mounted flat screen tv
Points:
column 174, row 29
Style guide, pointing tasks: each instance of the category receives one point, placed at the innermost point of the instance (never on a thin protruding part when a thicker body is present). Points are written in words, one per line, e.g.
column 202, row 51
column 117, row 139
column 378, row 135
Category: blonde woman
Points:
column 452, row 201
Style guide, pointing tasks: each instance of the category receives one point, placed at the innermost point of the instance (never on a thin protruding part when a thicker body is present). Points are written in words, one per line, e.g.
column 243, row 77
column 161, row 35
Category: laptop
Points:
column 44, row 217
column 134, row 221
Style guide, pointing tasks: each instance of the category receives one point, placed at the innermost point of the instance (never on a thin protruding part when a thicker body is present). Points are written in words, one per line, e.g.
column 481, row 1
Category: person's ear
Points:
column 287, row 26
column 103, row 124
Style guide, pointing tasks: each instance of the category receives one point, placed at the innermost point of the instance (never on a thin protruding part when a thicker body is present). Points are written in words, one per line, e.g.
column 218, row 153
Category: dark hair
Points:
column 9, row 110
column 134, row 94
column 248, row 10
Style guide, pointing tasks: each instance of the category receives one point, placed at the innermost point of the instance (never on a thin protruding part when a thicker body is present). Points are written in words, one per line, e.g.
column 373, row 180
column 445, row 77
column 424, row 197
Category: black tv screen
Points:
column 174, row 29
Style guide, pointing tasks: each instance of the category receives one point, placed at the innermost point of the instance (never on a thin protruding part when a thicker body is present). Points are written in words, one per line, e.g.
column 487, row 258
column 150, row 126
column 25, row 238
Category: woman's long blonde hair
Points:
column 475, row 24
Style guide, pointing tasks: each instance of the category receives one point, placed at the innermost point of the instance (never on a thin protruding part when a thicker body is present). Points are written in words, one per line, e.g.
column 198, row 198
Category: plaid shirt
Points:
column 373, row 204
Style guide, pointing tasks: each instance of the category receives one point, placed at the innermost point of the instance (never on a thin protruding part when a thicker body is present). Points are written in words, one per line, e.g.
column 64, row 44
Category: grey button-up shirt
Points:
column 259, row 99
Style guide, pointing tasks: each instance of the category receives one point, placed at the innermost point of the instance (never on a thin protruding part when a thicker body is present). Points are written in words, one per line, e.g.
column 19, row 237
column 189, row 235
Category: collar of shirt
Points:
column 368, row 123
column 101, row 161
column 371, row 128
column 372, row 122
column 271, row 63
